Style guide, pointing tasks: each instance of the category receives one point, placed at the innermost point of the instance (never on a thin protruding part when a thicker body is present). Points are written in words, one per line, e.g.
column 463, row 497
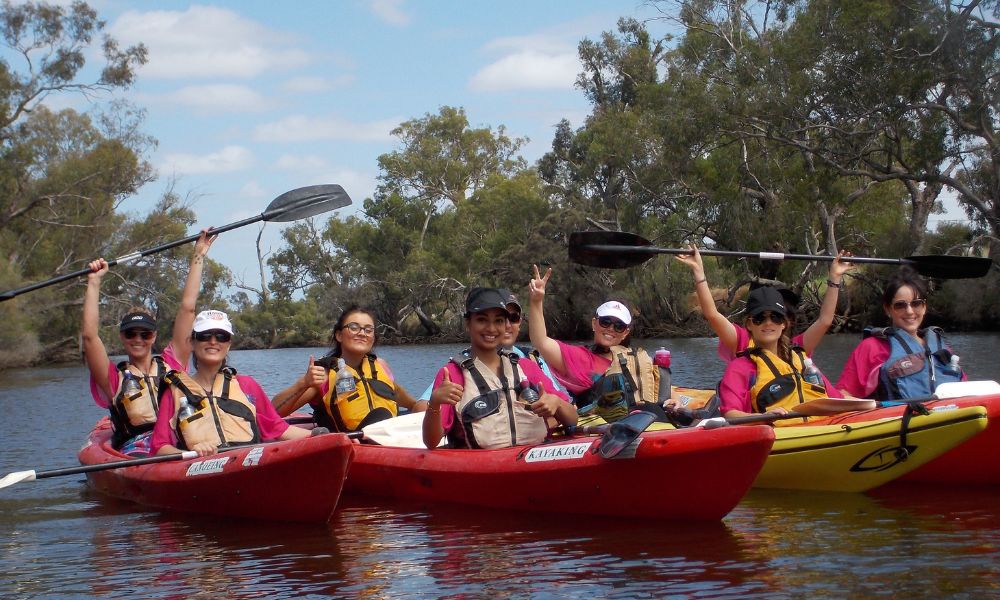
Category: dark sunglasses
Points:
column 611, row 322
column 514, row 317
column 143, row 333
column 220, row 336
column 903, row 304
column 759, row 319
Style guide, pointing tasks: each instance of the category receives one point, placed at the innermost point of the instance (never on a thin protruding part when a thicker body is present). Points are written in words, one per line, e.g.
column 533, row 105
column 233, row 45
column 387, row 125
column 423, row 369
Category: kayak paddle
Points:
column 291, row 206
column 19, row 476
column 619, row 249
column 821, row 407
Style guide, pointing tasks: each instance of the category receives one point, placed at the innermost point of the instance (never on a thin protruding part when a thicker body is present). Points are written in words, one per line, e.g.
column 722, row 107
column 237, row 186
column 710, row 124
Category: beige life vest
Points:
column 135, row 413
column 223, row 417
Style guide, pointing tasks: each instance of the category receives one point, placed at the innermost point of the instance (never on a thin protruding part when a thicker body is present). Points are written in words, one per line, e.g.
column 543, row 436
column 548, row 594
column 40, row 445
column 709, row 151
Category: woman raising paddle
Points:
column 904, row 360
column 735, row 338
column 133, row 406
column 478, row 402
column 214, row 407
column 376, row 393
column 772, row 375
column 607, row 378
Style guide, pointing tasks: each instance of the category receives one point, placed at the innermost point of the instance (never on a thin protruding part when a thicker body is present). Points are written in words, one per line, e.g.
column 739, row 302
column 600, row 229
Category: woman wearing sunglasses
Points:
column 734, row 338
column 214, row 407
column 376, row 395
column 904, row 360
column 477, row 401
column 607, row 378
column 771, row 374
column 129, row 388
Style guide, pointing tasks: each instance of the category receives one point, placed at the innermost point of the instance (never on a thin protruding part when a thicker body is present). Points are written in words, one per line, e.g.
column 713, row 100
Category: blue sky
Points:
column 251, row 99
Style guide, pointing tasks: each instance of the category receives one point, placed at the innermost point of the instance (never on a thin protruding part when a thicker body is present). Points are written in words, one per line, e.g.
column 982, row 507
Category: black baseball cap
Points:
column 766, row 298
column 481, row 299
column 511, row 298
column 137, row 320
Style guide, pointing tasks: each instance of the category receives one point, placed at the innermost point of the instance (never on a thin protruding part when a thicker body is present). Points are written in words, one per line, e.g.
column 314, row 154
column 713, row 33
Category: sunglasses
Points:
column 611, row 323
column 143, row 333
column 220, row 336
column 759, row 319
column 901, row 305
column 514, row 317
column 357, row 328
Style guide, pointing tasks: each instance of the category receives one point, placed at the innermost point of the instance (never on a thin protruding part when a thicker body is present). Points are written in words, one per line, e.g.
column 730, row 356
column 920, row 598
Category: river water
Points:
column 58, row 539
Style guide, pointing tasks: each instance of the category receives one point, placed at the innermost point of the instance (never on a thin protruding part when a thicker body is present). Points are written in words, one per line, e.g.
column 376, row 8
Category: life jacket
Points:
column 913, row 370
column 136, row 414
column 779, row 383
column 629, row 379
column 374, row 399
column 224, row 418
column 489, row 413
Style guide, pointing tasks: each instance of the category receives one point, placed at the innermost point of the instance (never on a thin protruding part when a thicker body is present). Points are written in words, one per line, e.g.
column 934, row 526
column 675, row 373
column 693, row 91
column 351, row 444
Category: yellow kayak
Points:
column 854, row 457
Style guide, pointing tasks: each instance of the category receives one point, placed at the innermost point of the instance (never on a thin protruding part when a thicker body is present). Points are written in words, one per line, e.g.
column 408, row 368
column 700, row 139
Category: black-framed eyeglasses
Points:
column 357, row 328
column 143, row 333
column 917, row 303
column 220, row 336
column 612, row 323
column 759, row 319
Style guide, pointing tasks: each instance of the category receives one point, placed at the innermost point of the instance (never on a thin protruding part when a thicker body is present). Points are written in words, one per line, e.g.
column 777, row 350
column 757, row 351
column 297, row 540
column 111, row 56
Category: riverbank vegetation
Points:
column 790, row 126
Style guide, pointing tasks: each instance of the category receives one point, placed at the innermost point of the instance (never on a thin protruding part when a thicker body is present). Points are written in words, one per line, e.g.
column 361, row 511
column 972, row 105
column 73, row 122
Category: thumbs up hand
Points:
column 315, row 375
column 447, row 391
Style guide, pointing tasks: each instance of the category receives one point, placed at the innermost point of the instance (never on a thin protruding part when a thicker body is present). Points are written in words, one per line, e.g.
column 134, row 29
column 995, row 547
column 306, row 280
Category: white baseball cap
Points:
column 210, row 320
column 615, row 309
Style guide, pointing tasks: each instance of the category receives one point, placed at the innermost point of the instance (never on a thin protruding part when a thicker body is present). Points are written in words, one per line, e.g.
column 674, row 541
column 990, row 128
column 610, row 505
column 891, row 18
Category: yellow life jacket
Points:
column 373, row 399
column 489, row 413
column 135, row 413
column 778, row 383
column 629, row 379
column 225, row 417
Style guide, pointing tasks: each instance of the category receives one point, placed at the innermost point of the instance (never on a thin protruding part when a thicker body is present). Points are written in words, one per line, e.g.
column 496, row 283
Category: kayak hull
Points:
column 858, row 455
column 972, row 463
column 275, row 481
column 686, row 474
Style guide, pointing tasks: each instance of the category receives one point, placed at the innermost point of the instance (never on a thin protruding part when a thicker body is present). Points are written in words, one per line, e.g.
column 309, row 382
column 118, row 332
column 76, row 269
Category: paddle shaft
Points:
column 651, row 250
column 118, row 464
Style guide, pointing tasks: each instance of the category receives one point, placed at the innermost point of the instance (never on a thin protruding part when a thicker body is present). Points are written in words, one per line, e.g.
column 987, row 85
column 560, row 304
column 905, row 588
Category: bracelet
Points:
column 431, row 409
column 830, row 283
column 702, row 280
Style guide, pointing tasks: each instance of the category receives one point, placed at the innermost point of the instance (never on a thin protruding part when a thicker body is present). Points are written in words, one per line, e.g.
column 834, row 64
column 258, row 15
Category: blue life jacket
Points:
column 912, row 370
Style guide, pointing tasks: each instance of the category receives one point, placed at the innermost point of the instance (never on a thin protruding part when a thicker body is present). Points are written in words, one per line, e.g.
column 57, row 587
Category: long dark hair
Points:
column 335, row 349
column 904, row 277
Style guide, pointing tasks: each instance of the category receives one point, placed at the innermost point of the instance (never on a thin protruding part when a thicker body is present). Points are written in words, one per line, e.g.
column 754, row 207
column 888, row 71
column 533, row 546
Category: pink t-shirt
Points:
column 271, row 425
column 169, row 360
column 532, row 372
column 734, row 389
column 581, row 367
column 381, row 364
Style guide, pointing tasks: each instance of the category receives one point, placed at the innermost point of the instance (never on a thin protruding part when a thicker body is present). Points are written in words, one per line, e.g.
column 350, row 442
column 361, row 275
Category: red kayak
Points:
column 971, row 463
column 683, row 474
column 294, row 480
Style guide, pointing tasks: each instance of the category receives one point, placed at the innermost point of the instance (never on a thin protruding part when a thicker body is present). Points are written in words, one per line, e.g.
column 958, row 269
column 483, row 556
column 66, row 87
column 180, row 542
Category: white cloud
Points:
column 307, row 85
column 216, row 98
column 528, row 70
column 299, row 128
column 252, row 189
column 390, row 11
column 206, row 41
column 227, row 160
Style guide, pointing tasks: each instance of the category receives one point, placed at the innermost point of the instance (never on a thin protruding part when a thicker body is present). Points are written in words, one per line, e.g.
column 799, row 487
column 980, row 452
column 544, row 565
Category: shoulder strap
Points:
column 469, row 365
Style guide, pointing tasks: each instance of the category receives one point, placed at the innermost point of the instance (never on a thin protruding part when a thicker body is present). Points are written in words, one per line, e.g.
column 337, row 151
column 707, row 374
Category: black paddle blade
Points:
column 950, row 267
column 609, row 249
column 621, row 434
column 306, row 202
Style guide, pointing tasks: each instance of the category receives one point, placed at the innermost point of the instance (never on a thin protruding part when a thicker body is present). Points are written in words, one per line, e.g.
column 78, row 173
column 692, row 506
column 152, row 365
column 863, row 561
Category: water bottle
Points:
column 345, row 381
column 810, row 373
column 954, row 364
column 528, row 393
column 130, row 385
column 185, row 410
column 661, row 358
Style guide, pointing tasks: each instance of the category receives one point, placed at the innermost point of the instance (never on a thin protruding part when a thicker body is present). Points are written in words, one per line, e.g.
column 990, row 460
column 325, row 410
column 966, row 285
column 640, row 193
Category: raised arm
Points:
column 716, row 320
column 546, row 346
column 812, row 336
column 94, row 352
column 304, row 390
column 184, row 321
